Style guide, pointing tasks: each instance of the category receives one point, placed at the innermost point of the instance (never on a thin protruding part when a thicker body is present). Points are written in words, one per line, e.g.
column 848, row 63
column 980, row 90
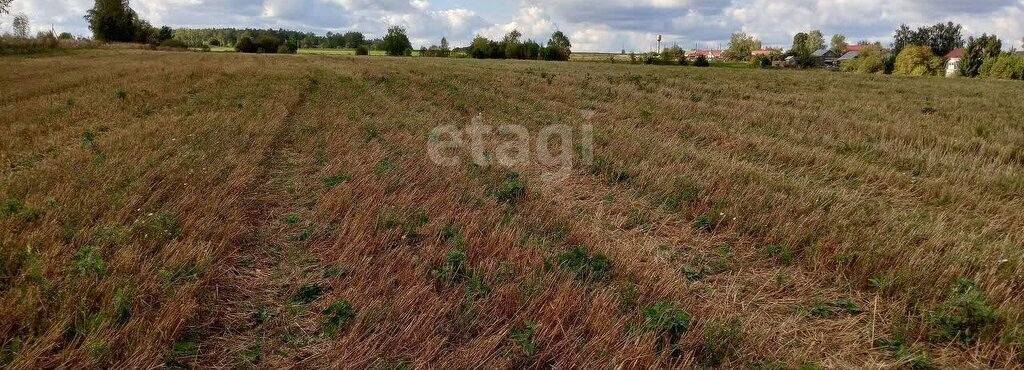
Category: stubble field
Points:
column 226, row 210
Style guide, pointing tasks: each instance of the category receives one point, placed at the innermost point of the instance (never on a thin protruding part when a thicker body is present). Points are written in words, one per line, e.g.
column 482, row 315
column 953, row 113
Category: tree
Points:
column 815, row 41
column 870, row 59
column 674, row 54
column 977, row 51
column 396, row 42
column 165, row 33
column 112, row 20
column 1005, row 67
column 21, row 26
column 941, row 38
column 918, row 60
column 512, row 45
column 839, row 44
column 559, row 47
column 65, row 36
column 799, row 44
column 353, row 39
column 5, row 6
column 445, row 48
column 742, row 46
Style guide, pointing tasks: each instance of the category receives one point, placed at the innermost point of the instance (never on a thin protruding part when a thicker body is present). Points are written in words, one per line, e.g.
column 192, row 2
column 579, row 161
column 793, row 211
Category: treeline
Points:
column 511, row 46
column 231, row 36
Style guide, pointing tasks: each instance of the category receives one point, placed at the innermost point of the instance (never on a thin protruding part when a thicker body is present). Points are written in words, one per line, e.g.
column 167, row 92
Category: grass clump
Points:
column 587, row 266
column 669, row 322
column 964, row 316
column 334, row 181
column 338, row 315
column 89, row 262
column 308, row 294
column 510, row 189
column 721, row 341
column 523, row 340
column 453, row 270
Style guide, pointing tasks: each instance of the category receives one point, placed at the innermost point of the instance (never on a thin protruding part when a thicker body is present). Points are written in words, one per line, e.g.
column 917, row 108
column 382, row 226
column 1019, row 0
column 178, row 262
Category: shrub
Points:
column 173, row 43
column 1005, row 67
column 918, row 61
column 870, row 60
column 268, row 44
column 702, row 61
column 245, row 45
column 362, row 50
column 214, row 42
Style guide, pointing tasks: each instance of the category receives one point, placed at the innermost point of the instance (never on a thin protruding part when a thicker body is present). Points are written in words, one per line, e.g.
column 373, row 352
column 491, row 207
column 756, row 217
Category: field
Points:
column 229, row 210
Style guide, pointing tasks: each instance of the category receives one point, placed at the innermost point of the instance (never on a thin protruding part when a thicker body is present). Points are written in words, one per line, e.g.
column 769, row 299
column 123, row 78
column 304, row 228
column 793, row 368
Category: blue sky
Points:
column 609, row 25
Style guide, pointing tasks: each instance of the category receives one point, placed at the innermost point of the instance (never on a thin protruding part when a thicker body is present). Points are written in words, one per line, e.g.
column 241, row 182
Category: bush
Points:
column 1005, row 67
column 362, row 50
column 702, row 61
column 870, row 60
column 173, row 43
column 918, row 61
column 214, row 42
column 268, row 44
column 245, row 45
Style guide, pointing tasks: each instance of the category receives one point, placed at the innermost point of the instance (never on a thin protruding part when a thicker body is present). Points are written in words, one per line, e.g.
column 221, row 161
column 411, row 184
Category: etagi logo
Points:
column 555, row 149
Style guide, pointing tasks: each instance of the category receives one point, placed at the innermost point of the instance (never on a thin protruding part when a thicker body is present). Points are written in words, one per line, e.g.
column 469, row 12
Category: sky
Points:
column 609, row 25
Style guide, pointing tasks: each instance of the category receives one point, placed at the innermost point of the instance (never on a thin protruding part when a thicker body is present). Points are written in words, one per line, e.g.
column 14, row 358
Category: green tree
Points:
column 112, row 20
column 799, row 44
column 871, row 59
column 513, row 45
column 741, row 46
column 245, row 45
column 941, row 38
column 918, row 60
column 21, row 26
column 815, row 41
column 977, row 51
column 673, row 54
column 353, row 39
column 839, row 44
column 396, row 42
column 5, row 6
column 1004, row 67
column 559, row 47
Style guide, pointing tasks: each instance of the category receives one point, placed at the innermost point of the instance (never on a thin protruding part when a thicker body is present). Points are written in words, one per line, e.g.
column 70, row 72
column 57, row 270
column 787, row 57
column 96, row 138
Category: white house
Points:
column 953, row 62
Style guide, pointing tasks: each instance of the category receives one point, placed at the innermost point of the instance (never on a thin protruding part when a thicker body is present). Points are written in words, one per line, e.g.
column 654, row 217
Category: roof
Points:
column 955, row 53
column 855, row 47
column 824, row 52
column 763, row 52
column 707, row 53
column 850, row 55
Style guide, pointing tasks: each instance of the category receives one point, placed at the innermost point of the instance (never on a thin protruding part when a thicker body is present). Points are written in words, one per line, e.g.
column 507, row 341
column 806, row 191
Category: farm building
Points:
column 953, row 62
column 825, row 57
column 850, row 55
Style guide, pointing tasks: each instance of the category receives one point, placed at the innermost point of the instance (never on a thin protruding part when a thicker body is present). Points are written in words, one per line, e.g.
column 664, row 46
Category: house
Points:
column 709, row 54
column 850, row 55
column 825, row 57
column 953, row 62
